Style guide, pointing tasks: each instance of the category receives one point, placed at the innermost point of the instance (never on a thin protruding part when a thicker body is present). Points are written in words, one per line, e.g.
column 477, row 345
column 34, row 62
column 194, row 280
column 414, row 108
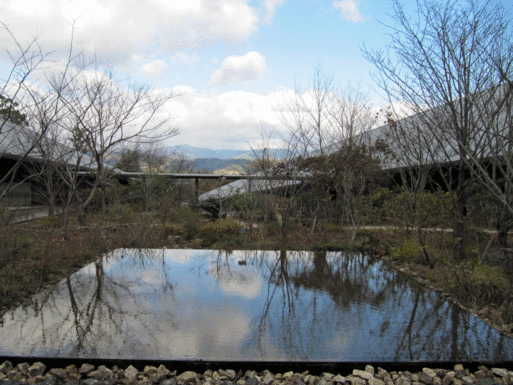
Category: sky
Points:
column 230, row 63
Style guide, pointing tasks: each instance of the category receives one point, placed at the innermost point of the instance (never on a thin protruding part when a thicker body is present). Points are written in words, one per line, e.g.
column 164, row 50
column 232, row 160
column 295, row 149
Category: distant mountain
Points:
column 215, row 164
column 192, row 152
column 208, row 160
column 203, row 152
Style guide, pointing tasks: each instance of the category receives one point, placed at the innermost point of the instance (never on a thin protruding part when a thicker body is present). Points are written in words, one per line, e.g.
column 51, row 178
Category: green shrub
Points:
column 223, row 227
column 407, row 250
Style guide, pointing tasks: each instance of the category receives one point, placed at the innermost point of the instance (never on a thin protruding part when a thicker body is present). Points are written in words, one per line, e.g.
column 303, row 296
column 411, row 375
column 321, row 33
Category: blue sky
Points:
column 232, row 62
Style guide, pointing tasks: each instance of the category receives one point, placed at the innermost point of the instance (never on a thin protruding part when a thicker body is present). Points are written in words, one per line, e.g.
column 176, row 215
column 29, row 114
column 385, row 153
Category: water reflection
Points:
column 246, row 305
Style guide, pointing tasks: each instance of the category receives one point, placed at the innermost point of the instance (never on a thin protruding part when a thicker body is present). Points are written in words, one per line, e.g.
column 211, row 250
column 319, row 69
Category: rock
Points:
column 120, row 374
column 480, row 374
column 163, row 373
column 440, row 372
column 288, row 375
column 170, row 381
column 90, row 381
column 60, row 374
column 241, row 381
column 85, row 369
column 238, row 375
column 36, row 380
column 102, row 374
column 362, row 374
column 149, row 370
column 249, row 374
column 458, row 367
column 355, row 380
column 37, row 369
column 12, row 382
column 18, row 376
column 131, row 373
column 462, row 373
column 457, row 381
column 327, row 376
column 152, row 373
column 448, row 379
column 437, row 381
column 369, row 369
column 402, row 380
column 500, row 372
column 49, row 381
column 430, row 372
column 382, row 374
column 187, row 376
column 6, row 367
column 415, row 378
column 229, row 373
column 487, row 381
column 425, row 379
column 72, row 382
column 338, row 378
column 268, row 378
column 72, row 372
column 251, row 381
column 23, row 369
column 297, row 380
column 375, row 381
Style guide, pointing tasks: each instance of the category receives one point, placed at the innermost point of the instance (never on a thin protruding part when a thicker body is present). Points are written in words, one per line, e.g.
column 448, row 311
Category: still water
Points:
column 246, row 305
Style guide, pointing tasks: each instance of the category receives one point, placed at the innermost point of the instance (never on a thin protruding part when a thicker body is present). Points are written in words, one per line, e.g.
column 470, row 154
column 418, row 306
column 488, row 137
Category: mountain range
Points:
column 208, row 160
column 204, row 159
column 192, row 152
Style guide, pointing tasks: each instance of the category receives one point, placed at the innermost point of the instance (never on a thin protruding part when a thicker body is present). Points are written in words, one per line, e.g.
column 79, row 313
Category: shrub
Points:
column 223, row 227
column 407, row 250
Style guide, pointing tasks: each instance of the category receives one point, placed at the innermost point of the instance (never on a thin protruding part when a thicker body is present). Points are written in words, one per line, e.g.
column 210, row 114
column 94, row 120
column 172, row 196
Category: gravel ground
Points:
column 88, row 374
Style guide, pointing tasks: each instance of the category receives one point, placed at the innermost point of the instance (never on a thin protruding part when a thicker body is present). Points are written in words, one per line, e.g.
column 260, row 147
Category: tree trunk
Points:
column 459, row 226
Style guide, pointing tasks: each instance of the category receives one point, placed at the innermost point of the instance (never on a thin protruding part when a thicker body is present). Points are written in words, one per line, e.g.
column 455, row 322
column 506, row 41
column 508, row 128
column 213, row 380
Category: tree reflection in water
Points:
column 284, row 305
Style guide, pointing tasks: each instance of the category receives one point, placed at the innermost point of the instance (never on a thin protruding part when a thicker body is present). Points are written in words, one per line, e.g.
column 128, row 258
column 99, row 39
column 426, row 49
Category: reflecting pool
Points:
column 246, row 305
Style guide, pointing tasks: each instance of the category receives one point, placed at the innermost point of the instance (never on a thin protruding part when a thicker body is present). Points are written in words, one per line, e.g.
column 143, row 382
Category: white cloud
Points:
column 154, row 69
column 237, row 69
column 118, row 28
column 229, row 120
column 349, row 10
column 270, row 9
column 185, row 58
column 136, row 58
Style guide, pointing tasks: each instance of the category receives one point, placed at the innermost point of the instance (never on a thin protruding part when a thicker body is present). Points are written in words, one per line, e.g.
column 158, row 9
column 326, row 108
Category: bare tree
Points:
column 328, row 129
column 449, row 64
column 154, row 157
column 106, row 113
column 25, row 59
